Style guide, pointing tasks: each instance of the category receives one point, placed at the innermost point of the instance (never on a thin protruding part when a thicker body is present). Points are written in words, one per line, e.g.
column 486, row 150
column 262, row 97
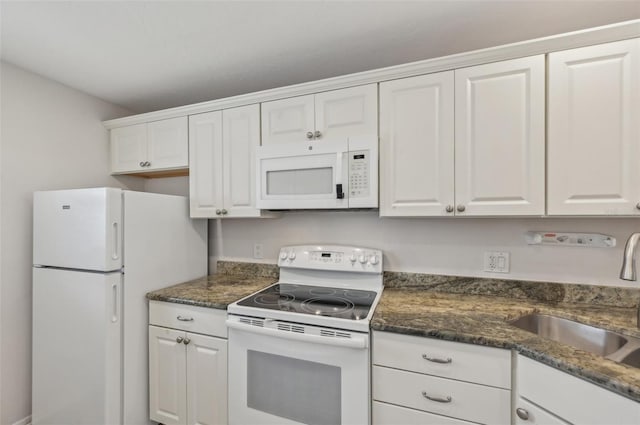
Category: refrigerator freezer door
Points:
column 77, row 346
column 78, row 229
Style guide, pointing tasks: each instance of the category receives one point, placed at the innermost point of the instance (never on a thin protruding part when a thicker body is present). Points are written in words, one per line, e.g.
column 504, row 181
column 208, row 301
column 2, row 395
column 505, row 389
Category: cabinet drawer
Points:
column 472, row 363
column 208, row 321
column 388, row 414
column 571, row 398
column 472, row 402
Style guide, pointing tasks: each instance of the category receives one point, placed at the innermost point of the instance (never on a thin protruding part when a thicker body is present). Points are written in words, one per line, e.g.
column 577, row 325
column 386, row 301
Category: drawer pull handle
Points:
column 185, row 319
column 446, row 399
column 437, row 360
column 522, row 413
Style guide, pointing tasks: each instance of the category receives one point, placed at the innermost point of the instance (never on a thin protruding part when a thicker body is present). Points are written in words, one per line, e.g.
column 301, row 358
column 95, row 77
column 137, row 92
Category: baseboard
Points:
column 23, row 421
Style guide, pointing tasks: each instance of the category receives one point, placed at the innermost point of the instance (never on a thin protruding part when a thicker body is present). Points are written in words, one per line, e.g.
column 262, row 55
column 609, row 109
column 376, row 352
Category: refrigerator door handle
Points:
column 115, row 241
column 114, row 314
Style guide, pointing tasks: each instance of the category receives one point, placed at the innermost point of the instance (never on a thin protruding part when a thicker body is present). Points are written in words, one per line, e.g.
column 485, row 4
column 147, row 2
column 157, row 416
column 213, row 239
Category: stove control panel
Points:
column 331, row 257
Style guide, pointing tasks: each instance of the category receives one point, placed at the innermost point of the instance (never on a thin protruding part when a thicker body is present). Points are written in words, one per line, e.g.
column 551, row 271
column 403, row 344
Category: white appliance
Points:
column 327, row 174
column 96, row 253
column 299, row 349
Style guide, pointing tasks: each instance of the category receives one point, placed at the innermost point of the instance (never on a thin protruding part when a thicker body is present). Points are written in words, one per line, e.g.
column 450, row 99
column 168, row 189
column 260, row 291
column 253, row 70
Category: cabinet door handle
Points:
column 522, row 413
column 218, row 212
column 449, row 208
column 179, row 339
column 142, row 163
column 461, row 208
column 224, row 212
column 317, row 134
column 185, row 319
column 186, row 341
column 309, row 135
column 148, row 164
column 437, row 360
column 446, row 399
column 638, row 206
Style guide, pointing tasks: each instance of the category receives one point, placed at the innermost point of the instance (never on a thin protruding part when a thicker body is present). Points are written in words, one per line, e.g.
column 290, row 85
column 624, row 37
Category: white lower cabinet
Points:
column 384, row 413
column 423, row 380
column 527, row 413
column 547, row 395
column 187, row 370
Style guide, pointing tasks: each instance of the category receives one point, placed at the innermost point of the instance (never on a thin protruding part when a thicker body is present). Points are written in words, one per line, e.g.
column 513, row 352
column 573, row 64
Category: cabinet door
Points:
column 205, row 164
column 594, row 130
column 287, row 120
column 416, row 146
column 347, row 112
column 206, row 380
column 527, row 413
column 500, row 138
column 167, row 376
column 241, row 136
column 128, row 148
column 168, row 145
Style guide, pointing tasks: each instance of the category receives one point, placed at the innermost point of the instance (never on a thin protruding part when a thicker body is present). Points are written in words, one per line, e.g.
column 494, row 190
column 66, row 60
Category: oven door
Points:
column 284, row 373
column 309, row 175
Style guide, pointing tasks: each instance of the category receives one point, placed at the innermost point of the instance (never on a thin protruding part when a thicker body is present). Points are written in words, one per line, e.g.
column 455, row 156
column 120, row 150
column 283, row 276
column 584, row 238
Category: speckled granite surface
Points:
column 462, row 309
column 232, row 282
column 549, row 292
column 482, row 320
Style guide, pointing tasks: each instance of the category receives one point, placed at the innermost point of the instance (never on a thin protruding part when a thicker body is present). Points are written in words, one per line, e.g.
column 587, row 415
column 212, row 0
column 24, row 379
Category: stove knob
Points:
column 292, row 255
column 363, row 259
column 353, row 258
column 283, row 255
column 374, row 260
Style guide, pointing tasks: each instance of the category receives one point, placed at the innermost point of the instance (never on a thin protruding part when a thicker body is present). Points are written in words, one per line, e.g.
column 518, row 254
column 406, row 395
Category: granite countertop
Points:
column 470, row 316
column 232, row 282
column 467, row 310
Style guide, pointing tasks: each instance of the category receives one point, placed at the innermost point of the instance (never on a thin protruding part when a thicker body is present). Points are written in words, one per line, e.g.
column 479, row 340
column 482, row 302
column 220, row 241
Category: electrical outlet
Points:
column 496, row 262
column 257, row 250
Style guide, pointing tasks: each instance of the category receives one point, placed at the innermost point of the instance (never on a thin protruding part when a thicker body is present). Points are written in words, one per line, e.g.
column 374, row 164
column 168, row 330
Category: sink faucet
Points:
column 628, row 271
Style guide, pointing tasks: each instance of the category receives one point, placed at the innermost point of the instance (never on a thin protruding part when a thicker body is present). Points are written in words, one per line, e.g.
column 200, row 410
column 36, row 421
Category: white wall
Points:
column 52, row 138
column 452, row 246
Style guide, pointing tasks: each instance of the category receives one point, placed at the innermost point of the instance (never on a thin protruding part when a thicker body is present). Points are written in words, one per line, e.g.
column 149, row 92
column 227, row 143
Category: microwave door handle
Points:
column 339, row 192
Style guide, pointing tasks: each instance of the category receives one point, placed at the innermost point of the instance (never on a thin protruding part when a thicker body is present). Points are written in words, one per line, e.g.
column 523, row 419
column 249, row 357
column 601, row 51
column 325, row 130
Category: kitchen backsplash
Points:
column 437, row 246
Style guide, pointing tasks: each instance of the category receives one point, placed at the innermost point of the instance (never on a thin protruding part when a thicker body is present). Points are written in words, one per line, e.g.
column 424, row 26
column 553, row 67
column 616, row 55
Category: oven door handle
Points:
column 361, row 342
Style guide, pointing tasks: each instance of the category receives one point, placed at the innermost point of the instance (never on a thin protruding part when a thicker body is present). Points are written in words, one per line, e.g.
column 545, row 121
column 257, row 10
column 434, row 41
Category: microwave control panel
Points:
column 359, row 174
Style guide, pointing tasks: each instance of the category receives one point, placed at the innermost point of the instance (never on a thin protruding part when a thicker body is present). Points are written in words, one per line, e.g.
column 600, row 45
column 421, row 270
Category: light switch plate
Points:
column 496, row 262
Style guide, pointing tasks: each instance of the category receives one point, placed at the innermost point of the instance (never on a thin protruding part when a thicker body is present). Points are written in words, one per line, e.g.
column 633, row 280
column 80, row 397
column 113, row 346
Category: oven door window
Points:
column 300, row 390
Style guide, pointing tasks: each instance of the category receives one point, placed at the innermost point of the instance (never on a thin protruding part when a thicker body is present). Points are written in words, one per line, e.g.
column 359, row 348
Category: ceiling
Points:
column 153, row 55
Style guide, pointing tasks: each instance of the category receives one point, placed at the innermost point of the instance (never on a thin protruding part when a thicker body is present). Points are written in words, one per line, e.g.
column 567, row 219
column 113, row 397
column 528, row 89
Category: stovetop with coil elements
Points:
column 352, row 304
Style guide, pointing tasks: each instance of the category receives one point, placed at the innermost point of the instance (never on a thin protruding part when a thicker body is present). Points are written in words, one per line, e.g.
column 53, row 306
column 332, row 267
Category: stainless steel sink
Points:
column 588, row 338
column 632, row 359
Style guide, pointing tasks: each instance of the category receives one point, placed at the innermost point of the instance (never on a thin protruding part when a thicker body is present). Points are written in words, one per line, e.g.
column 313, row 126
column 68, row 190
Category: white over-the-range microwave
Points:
column 323, row 174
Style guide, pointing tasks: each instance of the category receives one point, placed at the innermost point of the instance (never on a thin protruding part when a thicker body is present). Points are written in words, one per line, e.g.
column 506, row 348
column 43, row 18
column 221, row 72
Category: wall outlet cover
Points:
column 496, row 262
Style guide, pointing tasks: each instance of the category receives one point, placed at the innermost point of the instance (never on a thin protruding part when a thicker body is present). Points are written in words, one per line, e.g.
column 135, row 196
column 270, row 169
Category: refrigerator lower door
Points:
column 77, row 347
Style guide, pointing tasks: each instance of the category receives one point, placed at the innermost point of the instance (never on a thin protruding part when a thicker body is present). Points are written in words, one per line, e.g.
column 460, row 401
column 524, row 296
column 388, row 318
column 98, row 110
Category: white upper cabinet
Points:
column 241, row 136
column 497, row 153
column 416, row 146
column 150, row 147
column 594, row 130
column 222, row 162
column 288, row 120
column 205, row 164
column 500, row 138
column 338, row 113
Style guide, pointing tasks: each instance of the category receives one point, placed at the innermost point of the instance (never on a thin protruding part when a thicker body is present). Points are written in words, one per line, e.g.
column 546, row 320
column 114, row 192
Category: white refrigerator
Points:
column 96, row 253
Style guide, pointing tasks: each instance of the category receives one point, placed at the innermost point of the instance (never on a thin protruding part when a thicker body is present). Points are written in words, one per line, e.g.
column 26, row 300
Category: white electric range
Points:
column 299, row 349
